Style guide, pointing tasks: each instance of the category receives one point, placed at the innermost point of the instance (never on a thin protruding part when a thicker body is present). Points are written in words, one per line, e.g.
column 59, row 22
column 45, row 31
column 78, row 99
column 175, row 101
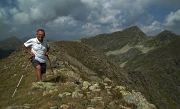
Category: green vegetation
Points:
column 158, row 66
column 74, row 65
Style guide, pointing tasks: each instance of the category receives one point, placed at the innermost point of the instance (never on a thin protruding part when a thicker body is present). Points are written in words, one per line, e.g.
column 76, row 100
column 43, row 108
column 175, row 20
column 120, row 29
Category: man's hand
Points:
column 27, row 50
column 47, row 53
column 31, row 53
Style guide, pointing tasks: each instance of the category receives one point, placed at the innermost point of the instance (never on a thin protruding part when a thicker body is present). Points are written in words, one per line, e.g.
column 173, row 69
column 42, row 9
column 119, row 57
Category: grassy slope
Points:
column 11, row 69
column 159, row 70
column 154, row 69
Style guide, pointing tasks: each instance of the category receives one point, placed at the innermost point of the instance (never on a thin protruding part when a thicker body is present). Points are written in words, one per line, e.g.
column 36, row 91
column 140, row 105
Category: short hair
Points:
column 41, row 30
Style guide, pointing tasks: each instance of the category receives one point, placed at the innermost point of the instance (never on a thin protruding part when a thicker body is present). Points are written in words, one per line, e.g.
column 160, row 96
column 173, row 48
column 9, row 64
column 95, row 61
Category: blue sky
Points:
column 75, row 19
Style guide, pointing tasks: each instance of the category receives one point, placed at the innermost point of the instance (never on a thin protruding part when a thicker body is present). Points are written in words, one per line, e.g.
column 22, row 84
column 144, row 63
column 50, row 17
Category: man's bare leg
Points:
column 39, row 74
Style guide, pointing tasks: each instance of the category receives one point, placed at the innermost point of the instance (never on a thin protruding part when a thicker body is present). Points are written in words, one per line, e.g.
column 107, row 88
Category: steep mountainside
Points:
column 91, row 58
column 158, row 69
column 82, row 78
column 10, row 43
column 8, row 46
column 151, row 62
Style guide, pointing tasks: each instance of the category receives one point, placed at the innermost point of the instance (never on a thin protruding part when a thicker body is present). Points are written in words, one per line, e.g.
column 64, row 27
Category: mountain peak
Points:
column 10, row 43
column 11, row 38
column 134, row 32
column 133, row 28
column 165, row 35
column 167, row 32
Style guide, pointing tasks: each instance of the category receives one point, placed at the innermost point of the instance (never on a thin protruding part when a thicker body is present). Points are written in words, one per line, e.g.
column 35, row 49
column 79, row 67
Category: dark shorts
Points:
column 36, row 63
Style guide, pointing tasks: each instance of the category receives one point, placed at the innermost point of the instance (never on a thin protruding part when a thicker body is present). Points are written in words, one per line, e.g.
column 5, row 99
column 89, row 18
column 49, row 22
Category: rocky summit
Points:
column 82, row 78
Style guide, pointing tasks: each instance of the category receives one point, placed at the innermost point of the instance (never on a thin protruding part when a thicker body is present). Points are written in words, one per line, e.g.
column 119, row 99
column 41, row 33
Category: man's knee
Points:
column 38, row 67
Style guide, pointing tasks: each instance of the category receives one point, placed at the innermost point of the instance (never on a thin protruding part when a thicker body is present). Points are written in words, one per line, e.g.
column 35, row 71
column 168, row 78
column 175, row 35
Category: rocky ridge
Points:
column 83, row 78
column 152, row 62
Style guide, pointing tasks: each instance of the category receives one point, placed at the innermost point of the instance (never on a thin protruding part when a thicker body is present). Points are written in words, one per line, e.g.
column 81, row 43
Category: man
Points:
column 39, row 51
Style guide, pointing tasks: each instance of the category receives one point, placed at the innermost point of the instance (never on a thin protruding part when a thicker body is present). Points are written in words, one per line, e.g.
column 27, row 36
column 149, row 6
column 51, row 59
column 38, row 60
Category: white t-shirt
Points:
column 38, row 48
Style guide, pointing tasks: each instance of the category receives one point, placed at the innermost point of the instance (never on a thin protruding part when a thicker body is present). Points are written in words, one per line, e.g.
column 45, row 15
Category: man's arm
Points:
column 27, row 50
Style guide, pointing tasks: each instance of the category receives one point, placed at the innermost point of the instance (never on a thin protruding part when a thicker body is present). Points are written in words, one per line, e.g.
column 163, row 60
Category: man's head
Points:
column 40, row 34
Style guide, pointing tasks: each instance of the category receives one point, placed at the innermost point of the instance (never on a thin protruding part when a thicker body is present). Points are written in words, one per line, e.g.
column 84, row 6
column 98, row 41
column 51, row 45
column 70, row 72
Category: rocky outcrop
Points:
column 99, row 95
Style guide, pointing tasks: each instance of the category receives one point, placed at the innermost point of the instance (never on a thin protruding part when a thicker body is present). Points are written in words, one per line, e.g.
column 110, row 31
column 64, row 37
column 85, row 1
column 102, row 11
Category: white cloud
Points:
column 152, row 29
column 22, row 18
column 45, row 10
column 3, row 16
column 91, row 4
column 173, row 20
column 90, row 29
column 13, row 11
column 94, row 11
column 62, row 22
column 128, row 11
column 79, row 18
